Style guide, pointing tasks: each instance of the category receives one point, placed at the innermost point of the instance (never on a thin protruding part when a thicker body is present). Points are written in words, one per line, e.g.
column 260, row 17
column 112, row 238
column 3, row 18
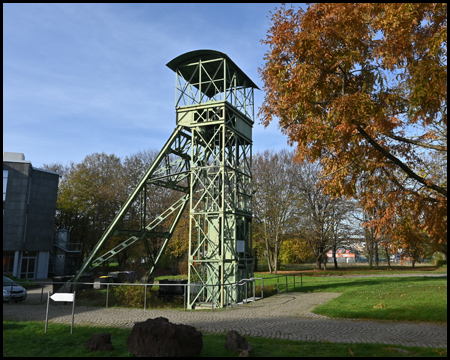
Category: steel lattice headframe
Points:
column 208, row 159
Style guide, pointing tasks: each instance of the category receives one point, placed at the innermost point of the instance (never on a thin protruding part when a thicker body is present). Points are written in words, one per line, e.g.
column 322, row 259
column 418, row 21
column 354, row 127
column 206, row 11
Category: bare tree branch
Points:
column 400, row 164
column 415, row 142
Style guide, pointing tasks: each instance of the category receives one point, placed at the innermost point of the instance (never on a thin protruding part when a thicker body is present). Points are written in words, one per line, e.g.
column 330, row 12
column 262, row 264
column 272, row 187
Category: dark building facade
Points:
column 29, row 206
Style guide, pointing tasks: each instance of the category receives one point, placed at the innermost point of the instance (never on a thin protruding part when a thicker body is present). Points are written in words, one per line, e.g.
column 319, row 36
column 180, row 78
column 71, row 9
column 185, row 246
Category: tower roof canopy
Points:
column 192, row 57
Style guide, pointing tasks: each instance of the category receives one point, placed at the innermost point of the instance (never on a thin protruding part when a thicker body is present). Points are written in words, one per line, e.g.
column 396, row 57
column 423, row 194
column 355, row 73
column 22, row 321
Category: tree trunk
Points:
column 122, row 258
column 268, row 254
column 268, row 262
column 387, row 256
column 335, row 259
column 376, row 254
column 275, row 255
column 319, row 263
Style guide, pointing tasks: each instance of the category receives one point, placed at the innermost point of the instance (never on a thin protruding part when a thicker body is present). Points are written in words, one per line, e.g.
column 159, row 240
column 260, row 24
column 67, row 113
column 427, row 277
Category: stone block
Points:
column 159, row 337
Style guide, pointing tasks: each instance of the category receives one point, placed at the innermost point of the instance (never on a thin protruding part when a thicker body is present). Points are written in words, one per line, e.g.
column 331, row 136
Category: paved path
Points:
column 284, row 316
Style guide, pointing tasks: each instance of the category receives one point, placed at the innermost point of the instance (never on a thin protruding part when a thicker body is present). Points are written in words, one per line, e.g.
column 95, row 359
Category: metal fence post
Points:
column 145, row 297
column 278, row 284
column 42, row 293
column 107, row 294
column 46, row 314
column 184, row 296
column 246, row 291
column 11, row 293
column 73, row 311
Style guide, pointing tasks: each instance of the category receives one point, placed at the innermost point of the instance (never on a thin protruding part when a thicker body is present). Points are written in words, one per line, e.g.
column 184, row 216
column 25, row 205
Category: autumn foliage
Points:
column 362, row 88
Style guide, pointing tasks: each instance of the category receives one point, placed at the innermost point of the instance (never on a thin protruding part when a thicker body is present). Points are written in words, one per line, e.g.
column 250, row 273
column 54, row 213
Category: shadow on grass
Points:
column 12, row 326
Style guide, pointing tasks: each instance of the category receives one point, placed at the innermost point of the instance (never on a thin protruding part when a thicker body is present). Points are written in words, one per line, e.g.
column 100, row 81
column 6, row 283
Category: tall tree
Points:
column 323, row 221
column 275, row 201
column 90, row 195
column 363, row 89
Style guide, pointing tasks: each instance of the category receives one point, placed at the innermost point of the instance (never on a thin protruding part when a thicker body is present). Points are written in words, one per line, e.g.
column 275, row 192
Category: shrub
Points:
column 440, row 263
column 131, row 296
column 183, row 266
column 91, row 297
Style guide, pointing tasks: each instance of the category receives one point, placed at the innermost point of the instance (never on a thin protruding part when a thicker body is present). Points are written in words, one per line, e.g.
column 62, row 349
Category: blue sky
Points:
column 85, row 78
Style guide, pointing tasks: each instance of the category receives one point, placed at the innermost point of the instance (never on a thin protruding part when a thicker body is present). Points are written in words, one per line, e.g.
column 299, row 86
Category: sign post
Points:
column 67, row 297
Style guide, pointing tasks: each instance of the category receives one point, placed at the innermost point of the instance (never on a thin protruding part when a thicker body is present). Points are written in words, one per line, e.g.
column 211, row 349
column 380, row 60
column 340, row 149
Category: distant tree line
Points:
column 294, row 220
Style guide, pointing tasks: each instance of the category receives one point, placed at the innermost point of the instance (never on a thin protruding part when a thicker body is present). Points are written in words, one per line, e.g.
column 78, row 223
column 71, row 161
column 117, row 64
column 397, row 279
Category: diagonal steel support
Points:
column 176, row 135
column 178, row 205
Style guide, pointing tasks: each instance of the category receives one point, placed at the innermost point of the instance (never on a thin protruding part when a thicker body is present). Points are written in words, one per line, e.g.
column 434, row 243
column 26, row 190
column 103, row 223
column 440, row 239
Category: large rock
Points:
column 159, row 337
column 100, row 342
column 238, row 344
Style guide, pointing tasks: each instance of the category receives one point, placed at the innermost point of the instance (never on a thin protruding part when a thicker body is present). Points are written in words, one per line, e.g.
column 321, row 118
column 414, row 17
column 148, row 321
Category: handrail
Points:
column 242, row 282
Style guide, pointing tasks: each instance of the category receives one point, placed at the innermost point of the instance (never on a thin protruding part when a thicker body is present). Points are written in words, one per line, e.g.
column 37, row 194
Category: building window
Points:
column 8, row 262
column 28, row 265
column 5, row 182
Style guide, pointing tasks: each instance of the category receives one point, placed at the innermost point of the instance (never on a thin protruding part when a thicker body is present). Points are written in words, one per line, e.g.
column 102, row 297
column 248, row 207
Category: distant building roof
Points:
column 20, row 158
column 13, row 156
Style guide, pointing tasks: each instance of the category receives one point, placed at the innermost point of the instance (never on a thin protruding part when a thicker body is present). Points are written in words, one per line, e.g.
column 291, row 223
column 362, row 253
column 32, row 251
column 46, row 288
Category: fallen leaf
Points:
column 379, row 306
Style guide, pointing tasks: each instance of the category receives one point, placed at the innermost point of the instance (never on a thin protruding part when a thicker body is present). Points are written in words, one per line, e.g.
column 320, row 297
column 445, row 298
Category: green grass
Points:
column 27, row 339
column 381, row 298
column 411, row 299
column 356, row 269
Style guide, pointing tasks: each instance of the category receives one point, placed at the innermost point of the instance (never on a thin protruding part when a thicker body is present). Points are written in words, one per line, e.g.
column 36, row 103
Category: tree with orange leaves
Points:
column 362, row 88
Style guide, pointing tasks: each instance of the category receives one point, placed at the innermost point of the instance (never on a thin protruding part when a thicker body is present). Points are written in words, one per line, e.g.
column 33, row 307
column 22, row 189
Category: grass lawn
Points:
column 357, row 269
column 27, row 339
column 381, row 298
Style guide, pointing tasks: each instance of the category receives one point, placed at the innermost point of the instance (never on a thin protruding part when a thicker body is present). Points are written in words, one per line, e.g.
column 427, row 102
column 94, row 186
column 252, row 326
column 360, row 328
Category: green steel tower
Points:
column 208, row 159
column 215, row 100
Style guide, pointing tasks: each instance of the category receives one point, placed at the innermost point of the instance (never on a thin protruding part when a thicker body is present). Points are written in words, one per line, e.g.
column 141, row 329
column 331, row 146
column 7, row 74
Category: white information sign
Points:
column 240, row 246
column 68, row 297
column 62, row 297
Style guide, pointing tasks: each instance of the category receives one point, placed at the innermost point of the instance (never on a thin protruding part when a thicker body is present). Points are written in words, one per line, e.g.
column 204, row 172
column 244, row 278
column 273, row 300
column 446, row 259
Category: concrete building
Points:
column 29, row 206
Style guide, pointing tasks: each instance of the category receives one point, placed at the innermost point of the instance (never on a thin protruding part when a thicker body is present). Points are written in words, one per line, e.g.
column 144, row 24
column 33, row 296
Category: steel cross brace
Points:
column 176, row 135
